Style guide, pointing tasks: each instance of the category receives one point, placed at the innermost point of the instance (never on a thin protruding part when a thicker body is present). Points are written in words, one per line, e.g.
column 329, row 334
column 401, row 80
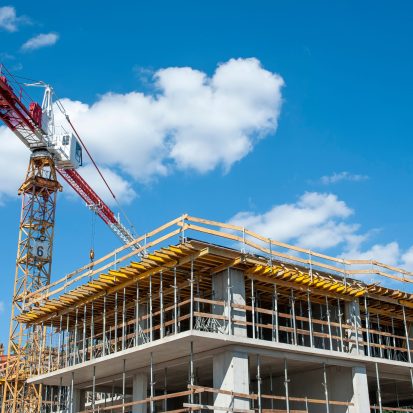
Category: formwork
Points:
column 203, row 316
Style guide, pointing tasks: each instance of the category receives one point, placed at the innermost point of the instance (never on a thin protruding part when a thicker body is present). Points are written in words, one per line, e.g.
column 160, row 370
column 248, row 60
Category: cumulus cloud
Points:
column 13, row 165
column 319, row 221
column 316, row 221
column 342, row 176
column 121, row 187
column 190, row 122
column 39, row 41
column 9, row 20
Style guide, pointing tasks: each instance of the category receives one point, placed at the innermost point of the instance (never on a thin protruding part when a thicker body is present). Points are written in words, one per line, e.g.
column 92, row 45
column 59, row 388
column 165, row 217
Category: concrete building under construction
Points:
column 209, row 316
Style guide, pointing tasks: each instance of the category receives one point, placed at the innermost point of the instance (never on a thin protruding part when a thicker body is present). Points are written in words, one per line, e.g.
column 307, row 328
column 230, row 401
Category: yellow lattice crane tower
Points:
column 51, row 153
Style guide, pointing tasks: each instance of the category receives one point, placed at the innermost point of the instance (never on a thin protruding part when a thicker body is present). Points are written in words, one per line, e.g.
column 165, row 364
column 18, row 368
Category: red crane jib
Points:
column 14, row 113
column 80, row 186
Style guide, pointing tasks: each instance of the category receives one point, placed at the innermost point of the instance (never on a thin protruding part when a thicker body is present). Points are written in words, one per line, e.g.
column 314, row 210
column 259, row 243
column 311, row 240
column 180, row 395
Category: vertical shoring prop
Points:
column 292, row 301
column 104, row 327
column 152, row 384
column 123, row 385
column 92, row 331
column 229, row 295
column 253, row 307
column 67, row 340
column 259, row 383
column 150, row 309
column 84, row 334
column 94, row 388
column 71, row 400
column 409, row 356
column 367, row 317
column 75, row 345
column 286, row 382
column 175, row 304
column 59, row 342
column 116, row 322
column 137, row 315
column 191, row 370
column 161, row 307
column 340, row 316
column 378, row 388
column 191, row 281
column 329, row 324
column 275, row 315
column 310, row 319
column 325, row 385
column 124, row 319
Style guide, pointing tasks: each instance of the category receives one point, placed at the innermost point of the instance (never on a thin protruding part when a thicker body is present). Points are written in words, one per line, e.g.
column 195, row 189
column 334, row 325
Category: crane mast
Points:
column 51, row 153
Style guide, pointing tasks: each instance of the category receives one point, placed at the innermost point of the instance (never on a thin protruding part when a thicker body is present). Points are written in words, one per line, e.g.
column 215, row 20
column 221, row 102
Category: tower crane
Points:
column 53, row 151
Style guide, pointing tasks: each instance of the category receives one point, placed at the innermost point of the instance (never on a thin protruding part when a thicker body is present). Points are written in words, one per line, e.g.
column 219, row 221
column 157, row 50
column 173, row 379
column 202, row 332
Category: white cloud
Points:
column 342, row 176
column 41, row 40
column 9, row 20
column 1, row 307
column 121, row 187
column 191, row 122
column 315, row 221
column 13, row 164
column 318, row 221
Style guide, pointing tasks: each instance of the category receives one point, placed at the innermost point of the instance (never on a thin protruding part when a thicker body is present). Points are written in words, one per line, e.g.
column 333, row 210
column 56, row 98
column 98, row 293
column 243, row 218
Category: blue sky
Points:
column 330, row 155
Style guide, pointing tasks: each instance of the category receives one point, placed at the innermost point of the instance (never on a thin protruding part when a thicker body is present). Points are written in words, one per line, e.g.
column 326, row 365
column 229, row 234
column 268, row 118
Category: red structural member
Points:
column 93, row 200
column 13, row 112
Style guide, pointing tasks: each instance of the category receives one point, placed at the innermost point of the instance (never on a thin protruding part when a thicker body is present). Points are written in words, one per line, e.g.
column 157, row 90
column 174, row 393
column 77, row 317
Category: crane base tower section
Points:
column 231, row 326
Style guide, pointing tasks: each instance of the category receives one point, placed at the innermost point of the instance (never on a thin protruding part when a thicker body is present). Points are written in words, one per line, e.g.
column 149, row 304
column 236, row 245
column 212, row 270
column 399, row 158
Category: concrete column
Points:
column 77, row 396
column 360, row 391
column 139, row 392
column 346, row 384
column 352, row 317
column 230, row 370
column 236, row 294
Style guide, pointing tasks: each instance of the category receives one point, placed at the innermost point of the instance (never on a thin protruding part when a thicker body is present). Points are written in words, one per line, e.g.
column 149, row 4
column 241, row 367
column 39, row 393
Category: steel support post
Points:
column 123, row 385
column 378, row 388
column 175, row 304
column 286, row 383
column 310, row 319
column 84, row 334
column 104, row 327
column 94, row 388
column 253, row 307
column 161, row 309
column 152, row 384
column 409, row 356
column 292, row 303
column 259, row 384
column 124, row 320
column 367, row 317
column 325, row 385
column 150, row 309
column 137, row 325
column 275, row 321
column 116, row 322
column 191, row 281
column 229, row 297
column 329, row 324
